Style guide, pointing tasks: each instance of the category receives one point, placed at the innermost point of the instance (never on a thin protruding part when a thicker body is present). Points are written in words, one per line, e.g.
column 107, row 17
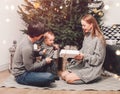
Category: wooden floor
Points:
column 5, row 74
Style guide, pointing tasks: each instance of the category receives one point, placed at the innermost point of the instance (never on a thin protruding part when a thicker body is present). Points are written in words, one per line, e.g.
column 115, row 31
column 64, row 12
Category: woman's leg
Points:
column 64, row 74
column 71, row 78
column 36, row 78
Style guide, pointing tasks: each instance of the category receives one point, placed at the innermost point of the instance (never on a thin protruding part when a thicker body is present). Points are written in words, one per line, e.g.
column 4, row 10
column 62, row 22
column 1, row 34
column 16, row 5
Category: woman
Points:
column 89, row 62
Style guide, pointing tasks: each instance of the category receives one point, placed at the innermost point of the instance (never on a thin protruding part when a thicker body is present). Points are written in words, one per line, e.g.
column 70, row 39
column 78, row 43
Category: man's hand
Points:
column 56, row 46
column 48, row 60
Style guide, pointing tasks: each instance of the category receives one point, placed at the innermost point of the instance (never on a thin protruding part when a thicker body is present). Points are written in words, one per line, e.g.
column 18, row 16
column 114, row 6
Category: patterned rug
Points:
column 106, row 83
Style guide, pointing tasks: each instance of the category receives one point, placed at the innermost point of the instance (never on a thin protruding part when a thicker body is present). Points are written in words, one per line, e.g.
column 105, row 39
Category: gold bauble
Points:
column 36, row 5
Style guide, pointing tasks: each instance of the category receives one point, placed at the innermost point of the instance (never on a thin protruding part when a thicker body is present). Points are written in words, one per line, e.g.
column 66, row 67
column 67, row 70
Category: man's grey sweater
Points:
column 23, row 58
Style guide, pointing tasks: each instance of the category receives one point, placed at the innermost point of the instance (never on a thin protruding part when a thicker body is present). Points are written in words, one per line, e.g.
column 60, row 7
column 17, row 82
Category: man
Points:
column 25, row 69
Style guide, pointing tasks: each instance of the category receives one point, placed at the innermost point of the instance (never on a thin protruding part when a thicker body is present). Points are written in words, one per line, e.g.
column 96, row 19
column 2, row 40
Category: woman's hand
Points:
column 79, row 57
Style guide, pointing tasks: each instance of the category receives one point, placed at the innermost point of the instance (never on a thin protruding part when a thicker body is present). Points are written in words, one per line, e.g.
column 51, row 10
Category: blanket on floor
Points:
column 106, row 83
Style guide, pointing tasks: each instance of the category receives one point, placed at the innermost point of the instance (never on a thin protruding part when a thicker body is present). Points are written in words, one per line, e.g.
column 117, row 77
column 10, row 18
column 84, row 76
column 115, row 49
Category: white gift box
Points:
column 69, row 53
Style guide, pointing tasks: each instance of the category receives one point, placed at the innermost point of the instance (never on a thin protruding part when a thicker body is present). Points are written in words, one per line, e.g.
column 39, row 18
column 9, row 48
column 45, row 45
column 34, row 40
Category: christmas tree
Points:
column 60, row 16
column 95, row 8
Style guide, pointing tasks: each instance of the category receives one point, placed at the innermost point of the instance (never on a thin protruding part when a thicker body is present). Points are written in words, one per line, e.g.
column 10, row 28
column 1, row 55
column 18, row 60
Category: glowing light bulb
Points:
column 106, row 7
column 61, row 7
column 66, row 6
column 7, row 7
column 4, row 41
column 117, row 4
column 7, row 20
column 12, row 7
column 118, row 52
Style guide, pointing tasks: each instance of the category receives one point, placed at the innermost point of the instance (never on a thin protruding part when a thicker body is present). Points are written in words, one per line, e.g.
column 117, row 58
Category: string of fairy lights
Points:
column 109, row 4
column 6, row 7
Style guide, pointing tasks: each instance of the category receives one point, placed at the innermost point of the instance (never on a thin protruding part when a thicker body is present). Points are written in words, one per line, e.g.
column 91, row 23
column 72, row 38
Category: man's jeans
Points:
column 35, row 78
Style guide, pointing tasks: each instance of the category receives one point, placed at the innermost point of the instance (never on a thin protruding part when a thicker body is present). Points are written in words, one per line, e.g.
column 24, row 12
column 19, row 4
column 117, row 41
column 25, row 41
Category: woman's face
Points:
column 86, row 26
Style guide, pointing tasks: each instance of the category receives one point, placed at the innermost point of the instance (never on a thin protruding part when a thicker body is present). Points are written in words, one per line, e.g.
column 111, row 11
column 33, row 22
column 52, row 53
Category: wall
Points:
column 112, row 12
column 10, row 26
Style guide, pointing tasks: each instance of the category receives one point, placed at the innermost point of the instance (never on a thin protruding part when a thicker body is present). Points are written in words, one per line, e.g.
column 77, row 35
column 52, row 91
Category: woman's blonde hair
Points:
column 96, row 32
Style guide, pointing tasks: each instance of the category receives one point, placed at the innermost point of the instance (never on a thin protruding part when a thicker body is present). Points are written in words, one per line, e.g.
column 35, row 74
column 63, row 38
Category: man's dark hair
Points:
column 35, row 29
